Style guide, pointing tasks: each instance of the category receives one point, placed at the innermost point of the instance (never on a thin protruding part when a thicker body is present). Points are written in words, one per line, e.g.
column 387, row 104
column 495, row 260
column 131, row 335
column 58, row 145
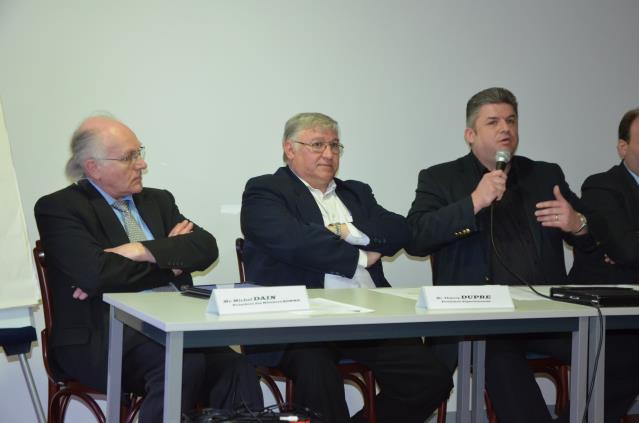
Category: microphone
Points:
column 502, row 157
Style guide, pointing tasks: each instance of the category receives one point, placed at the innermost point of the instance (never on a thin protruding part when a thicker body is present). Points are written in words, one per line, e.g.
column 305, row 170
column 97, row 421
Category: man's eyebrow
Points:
column 322, row 140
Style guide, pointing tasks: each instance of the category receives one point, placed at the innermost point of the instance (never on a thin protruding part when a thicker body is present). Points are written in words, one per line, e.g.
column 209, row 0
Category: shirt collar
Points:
column 110, row 200
column 633, row 174
column 329, row 190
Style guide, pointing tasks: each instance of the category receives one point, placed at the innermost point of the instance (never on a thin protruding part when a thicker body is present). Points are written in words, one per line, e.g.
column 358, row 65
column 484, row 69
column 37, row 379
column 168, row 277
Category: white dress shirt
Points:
column 333, row 212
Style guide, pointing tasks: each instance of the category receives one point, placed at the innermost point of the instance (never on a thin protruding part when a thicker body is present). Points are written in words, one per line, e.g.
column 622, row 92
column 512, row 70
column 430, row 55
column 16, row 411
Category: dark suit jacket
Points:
column 613, row 198
column 76, row 224
column 444, row 226
column 287, row 243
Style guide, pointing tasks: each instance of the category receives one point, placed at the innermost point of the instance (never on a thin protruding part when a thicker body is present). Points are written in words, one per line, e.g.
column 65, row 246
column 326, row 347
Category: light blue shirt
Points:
column 134, row 210
column 634, row 175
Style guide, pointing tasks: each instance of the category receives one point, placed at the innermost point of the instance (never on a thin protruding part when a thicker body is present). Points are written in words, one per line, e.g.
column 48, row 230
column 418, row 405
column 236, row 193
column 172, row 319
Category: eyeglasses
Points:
column 320, row 146
column 129, row 158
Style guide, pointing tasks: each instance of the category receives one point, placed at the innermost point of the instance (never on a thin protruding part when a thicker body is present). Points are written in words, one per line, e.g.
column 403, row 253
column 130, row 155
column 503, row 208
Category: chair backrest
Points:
column 41, row 267
column 239, row 251
column 53, row 373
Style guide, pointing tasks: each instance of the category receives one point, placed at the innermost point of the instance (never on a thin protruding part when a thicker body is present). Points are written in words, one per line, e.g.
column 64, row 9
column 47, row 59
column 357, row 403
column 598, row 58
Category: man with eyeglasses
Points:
column 304, row 226
column 106, row 233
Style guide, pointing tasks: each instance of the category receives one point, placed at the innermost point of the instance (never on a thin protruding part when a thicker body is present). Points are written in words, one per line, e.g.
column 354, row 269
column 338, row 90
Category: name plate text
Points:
column 465, row 297
column 258, row 300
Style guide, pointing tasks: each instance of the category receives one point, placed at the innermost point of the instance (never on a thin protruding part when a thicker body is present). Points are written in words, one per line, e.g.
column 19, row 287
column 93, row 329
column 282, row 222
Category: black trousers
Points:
column 216, row 377
column 511, row 384
column 412, row 381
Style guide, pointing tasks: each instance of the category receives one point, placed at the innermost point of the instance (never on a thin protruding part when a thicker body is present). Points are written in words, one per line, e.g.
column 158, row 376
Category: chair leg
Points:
column 562, row 400
column 131, row 411
column 272, row 386
column 289, row 393
column 370, row 394
column 441, row 411
column 60, row 403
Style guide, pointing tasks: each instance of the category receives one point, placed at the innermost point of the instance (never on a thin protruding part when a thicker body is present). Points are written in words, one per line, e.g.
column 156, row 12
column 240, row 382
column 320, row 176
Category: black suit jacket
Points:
column 613, row 198
column 287, row 243
column 76, row 224
column 444, row 226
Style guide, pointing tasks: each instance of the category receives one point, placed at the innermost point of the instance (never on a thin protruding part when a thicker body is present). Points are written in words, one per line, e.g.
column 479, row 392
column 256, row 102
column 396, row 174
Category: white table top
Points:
column 171, row 311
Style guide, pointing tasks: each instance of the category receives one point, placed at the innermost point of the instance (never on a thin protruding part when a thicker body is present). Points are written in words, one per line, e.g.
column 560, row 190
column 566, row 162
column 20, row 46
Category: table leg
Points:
column 596, row 406
column 173, row 376
column 463, row 382
column 579, row 371
column 114, row 375
column 479, row 378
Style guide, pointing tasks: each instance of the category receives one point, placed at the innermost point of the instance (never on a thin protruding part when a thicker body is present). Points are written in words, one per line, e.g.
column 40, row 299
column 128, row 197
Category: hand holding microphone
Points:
column 492, row 185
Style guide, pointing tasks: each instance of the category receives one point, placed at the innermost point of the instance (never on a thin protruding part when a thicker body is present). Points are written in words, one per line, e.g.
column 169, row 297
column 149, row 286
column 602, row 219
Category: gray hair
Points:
column 493, row 95
column 85, row 143
column 303, row 121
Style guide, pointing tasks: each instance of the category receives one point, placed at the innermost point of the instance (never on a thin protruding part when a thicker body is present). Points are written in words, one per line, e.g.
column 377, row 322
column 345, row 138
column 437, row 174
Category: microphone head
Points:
column 502, row 157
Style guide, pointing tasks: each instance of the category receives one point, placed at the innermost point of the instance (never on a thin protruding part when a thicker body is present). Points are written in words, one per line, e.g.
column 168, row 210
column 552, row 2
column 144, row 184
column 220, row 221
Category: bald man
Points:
column 106, row 233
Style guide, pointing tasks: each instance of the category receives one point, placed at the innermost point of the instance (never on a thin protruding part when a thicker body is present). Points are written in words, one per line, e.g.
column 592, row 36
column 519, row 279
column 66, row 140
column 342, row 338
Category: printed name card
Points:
column 465, row 297
column 258, row 300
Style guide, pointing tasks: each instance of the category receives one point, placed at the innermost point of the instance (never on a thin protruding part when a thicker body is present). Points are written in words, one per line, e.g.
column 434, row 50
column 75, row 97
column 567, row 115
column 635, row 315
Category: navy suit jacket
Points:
column 613, row 198
column 288, row 244
column 444, row 225
column 76, row 224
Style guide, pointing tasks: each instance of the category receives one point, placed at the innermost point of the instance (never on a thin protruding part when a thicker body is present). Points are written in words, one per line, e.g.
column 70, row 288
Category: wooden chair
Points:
column 61, row 388
column 358, row 374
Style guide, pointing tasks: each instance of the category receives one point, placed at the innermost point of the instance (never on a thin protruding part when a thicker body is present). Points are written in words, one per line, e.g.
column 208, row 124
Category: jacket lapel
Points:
column 632, row 188
column 472, row 175
column 112, row 227
column 305, row 203
column 350, row 200
column 150, row 214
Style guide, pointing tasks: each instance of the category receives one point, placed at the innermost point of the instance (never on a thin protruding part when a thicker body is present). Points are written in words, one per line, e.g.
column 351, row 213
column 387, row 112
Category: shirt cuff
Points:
column 355, row 236
column 363, row 259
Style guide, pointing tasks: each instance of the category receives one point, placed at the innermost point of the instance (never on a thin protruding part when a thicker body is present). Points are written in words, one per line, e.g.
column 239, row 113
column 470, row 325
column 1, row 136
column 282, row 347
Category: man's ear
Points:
column 92, row 169
column 622, row 147
column 469, row 135
column 289, row 150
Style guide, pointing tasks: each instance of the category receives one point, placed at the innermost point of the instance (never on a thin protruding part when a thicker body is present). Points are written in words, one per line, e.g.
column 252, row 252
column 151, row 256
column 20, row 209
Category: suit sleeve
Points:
column 435, row 220
column 583, row 242
column 610, row 222
column 75, row 249
column 269, row 220
column 388, row 232
column 189, row 252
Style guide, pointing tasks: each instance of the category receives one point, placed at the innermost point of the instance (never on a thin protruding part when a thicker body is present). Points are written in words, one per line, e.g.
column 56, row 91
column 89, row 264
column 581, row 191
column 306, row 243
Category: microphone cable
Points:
column 500, row 259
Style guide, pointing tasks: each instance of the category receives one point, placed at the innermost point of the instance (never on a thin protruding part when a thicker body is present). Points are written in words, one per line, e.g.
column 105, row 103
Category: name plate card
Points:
column 258, row 300
column 465, row 297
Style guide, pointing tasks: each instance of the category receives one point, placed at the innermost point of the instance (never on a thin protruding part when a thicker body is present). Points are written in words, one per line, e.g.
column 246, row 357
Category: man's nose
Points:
column 504, row 126
column 140, row 163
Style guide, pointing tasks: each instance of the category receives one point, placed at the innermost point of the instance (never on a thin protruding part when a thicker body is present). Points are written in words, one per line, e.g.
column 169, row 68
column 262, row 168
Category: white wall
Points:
column 208, row 85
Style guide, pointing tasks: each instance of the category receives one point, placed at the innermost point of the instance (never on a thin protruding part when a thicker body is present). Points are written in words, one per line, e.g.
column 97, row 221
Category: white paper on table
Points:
column 325, row 306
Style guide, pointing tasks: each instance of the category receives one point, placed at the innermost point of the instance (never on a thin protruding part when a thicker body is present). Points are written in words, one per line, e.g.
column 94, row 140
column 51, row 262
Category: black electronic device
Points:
column 204, row 291
column 601, row 296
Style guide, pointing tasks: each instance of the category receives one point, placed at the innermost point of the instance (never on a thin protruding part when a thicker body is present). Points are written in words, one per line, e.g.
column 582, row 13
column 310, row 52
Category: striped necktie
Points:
column 131, row 226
